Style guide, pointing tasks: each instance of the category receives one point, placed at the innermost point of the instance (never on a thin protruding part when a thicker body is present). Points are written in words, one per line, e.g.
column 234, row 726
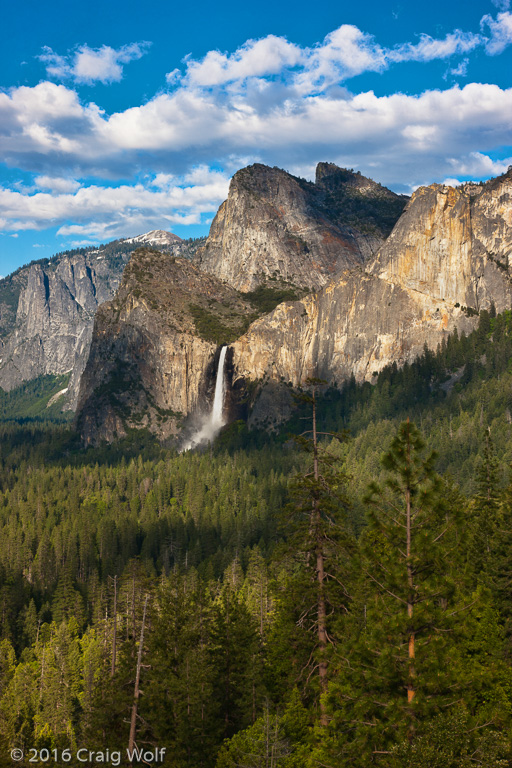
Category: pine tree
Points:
column 320, row 541
column 393, row 663
column 485, row 512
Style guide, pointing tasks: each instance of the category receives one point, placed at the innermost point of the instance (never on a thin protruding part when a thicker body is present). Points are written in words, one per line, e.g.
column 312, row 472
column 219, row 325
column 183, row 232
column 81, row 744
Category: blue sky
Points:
column 117, row 118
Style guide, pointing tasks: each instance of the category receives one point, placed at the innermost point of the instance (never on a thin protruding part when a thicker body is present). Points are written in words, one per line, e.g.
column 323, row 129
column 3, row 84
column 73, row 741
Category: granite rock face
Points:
column 277, row 229
column 53, row 324
column 454, row 244
column 449, row 255
column 356, row 326
column 155, row 346
column 150, row 366
column 49, row 308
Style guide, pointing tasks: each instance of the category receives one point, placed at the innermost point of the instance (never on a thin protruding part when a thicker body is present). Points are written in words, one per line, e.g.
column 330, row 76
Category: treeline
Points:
column 397, row 656
column 36, row 400
column 306, row 606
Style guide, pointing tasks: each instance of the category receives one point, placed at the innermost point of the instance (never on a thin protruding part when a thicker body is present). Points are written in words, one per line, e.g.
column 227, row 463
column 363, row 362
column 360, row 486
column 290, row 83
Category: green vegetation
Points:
column 10, row 289
column 31, row 401
column 371, row 215
column 10, row 293
column 211, row 324
column 223, row 327
column 314, row 605
column 266, row 298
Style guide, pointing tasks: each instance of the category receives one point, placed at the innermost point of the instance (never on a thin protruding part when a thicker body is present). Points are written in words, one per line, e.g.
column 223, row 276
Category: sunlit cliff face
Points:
column 446, row 258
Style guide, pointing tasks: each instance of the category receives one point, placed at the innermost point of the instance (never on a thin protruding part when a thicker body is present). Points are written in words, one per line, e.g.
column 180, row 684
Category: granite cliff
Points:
column 154, row 350
column 277, row 229
column 449, row 256
column 153, row 356
column 47, row 309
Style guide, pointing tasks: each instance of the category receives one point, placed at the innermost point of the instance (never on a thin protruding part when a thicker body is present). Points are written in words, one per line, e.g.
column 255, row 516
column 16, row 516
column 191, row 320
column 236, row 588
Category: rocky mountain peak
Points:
column 332, row 177
column 277, row 229
column 158, row 238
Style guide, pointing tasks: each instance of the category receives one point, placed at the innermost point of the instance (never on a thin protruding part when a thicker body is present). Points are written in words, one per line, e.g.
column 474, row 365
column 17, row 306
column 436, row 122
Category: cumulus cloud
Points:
column 90, row 65
column 501, row 32
column 343, row 54
column 56, row 183
column 269, row 101
column 255, row 58
column 109, row 212
column 477, row 164
column 398, row 138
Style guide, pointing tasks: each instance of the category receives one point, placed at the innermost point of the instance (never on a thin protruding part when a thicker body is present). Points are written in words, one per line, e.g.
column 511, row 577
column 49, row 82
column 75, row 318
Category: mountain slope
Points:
column 277, row 229
column 47, row 309
column 449, row 256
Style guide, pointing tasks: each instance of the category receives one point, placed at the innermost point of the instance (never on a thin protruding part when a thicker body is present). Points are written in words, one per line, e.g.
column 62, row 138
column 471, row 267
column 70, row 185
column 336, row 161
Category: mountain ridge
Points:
column 422, row 284
column 278, row 228
column 47, row 309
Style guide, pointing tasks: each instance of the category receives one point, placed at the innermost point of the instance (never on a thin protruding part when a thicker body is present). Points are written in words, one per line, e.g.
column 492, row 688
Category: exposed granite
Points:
column 275, row 228
column 451, row 250
column 448, row 256
column 149, row 366
column 48, row 308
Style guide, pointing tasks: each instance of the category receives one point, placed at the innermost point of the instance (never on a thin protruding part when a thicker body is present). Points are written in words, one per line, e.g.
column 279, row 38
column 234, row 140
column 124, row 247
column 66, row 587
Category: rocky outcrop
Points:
column 449, row 255
column 277, row 229
column 153, row 355
column 454, row 244
column 355, row 326
column 49, row 308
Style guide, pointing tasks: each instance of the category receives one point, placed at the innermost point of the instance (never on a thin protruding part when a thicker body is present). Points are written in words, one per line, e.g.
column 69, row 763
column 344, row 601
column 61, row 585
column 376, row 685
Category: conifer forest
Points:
column 334, row 594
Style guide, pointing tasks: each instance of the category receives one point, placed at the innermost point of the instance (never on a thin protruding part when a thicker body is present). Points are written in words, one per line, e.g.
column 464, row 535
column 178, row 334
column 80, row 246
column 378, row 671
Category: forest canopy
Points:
column 336, row 601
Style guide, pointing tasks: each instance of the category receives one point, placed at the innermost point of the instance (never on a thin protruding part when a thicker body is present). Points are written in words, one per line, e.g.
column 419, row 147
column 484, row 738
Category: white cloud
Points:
column 90, row 65
column 343, row 54
column 399, row 139
column 100, row 212
column 451, row 182
column 429, row 48
column 501, row 32
column 477, row 164
column 56, row 183
column 461, row 70
column 503, row 5
column 270, row 101
column 255, row 58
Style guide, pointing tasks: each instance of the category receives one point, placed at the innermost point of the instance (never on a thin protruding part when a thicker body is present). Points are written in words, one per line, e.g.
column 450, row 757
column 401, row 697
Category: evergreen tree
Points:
column 485, row 511
column 393, row 668
column 320, row 540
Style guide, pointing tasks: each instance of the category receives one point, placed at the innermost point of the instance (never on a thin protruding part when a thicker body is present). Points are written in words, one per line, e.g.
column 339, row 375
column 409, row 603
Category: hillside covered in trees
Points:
column 339, row 599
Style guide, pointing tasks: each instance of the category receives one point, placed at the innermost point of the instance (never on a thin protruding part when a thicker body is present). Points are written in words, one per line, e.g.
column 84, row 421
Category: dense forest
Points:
column 336, row 594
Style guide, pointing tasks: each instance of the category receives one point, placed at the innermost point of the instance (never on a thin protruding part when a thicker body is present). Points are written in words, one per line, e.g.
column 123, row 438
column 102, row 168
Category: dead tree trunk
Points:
column 136, row 694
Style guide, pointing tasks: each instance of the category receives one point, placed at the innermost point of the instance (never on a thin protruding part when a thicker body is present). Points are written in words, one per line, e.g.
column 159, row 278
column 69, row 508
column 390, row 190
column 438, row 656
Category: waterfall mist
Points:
column 214, row 421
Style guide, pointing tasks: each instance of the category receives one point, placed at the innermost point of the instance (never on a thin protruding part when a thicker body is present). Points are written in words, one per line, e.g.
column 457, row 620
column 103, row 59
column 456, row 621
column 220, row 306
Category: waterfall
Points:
column 217, row 420
column 214, row 421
